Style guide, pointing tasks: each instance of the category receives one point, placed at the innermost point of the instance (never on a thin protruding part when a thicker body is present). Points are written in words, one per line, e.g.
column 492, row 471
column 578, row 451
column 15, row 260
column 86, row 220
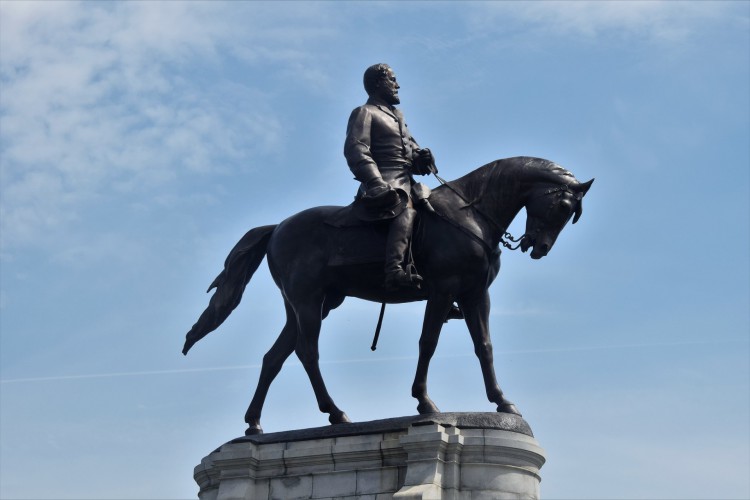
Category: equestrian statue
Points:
column 397, row 242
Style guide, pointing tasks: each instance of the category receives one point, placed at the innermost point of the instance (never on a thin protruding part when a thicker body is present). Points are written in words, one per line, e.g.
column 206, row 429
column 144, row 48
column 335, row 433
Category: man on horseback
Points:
column 383, row 156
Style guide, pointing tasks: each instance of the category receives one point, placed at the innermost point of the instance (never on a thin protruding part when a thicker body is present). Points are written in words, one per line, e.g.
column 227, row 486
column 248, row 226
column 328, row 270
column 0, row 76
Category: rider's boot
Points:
column 397, row 244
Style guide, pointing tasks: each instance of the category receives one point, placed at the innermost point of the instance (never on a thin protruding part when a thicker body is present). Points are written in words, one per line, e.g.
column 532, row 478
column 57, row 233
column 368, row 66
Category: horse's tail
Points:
column 241, row 264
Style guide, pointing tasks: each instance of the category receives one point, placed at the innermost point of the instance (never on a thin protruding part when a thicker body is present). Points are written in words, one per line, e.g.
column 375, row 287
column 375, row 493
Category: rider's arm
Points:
column 357, row 150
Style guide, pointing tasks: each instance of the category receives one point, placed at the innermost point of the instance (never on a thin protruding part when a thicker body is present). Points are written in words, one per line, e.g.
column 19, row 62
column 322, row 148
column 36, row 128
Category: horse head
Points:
column 549, row 208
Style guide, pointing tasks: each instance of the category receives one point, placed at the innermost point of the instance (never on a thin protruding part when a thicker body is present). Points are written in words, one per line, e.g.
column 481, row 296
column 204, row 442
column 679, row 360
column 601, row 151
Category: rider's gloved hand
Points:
column 424, row 162
column 375, row 188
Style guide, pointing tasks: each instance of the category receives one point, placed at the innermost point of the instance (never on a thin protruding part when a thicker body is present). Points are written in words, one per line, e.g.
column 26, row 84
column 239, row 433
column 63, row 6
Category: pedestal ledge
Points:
column 462, row 420
column 438, row 456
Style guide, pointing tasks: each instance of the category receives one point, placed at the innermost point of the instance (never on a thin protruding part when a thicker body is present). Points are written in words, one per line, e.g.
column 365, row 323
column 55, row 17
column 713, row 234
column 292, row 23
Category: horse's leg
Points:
column 309, row 321
column 434, row 316
column 477, row 312
column 272, row 362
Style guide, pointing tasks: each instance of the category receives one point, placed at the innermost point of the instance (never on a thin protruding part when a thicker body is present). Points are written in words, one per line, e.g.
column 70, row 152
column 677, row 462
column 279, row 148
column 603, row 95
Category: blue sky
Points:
column 140, row 140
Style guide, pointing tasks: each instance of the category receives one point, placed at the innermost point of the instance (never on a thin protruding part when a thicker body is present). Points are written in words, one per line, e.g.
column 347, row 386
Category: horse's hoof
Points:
column 508, row 407
column 339, row 418
column 254, row 429
column 427, row 407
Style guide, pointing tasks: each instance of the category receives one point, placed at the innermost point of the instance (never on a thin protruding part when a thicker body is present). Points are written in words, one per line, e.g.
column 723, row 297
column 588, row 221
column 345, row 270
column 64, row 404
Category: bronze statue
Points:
column 383, row 156
column 320, row 256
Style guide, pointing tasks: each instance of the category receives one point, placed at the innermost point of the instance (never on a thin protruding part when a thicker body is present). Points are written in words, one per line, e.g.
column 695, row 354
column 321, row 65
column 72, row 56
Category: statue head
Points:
column 380, row 81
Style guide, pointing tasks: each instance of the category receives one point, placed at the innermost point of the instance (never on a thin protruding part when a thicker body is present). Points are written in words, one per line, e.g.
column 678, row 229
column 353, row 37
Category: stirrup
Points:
column 401, row 279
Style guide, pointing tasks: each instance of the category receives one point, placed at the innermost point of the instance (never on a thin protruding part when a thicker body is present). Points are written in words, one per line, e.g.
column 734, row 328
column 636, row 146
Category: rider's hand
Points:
column 425, row 162
column 376, row 188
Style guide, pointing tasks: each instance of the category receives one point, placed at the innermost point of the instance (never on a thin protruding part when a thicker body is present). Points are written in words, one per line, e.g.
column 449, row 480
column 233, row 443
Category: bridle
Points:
column 505, row 234
column 563, row 188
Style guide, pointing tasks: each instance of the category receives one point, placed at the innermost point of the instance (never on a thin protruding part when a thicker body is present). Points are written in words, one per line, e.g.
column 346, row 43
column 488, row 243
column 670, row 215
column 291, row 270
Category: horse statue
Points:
column 322, row 255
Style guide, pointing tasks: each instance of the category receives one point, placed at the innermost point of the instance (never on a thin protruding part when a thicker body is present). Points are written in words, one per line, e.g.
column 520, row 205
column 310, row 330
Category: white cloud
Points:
column 105, row 99
column 101, row 100
column 667, row 21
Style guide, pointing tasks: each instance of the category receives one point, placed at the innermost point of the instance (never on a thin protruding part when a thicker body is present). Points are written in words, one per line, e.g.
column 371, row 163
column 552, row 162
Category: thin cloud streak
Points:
column 658, row 21
column 367, row 360
column 125, row 374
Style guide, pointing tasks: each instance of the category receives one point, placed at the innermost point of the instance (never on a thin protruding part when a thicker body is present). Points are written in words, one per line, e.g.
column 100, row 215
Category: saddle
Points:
column 360, row 237
column 362, row 228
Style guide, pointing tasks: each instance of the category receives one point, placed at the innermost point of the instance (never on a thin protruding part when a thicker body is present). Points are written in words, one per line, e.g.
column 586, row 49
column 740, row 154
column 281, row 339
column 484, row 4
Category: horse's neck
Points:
column 496, row 190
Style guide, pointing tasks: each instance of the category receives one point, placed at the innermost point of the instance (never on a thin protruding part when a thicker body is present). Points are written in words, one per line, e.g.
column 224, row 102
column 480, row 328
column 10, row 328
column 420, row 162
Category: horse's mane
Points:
column 541, row 168
column 475, row 183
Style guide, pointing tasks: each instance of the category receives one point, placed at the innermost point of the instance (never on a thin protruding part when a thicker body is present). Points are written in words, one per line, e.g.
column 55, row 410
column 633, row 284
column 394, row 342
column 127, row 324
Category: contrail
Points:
column 367, row 360
column 189, row 370
column 126, row 374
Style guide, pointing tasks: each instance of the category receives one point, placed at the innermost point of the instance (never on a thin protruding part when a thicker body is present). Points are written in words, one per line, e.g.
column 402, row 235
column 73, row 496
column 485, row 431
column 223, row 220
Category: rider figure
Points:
column 383, row 156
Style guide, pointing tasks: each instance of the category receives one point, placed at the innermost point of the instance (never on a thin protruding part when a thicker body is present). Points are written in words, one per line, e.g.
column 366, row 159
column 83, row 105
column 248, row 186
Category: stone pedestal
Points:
column 461, row 456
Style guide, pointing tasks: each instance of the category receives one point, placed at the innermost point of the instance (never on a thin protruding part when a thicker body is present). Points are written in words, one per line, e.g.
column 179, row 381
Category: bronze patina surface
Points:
column 456, row 250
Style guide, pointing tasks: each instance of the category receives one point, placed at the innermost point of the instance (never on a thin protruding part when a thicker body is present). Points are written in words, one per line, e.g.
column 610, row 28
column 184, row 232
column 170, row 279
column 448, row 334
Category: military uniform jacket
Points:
column 377, row 135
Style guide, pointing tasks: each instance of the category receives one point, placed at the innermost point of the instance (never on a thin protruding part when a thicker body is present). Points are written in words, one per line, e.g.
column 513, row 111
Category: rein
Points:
column 505, row 234
column 503, row 240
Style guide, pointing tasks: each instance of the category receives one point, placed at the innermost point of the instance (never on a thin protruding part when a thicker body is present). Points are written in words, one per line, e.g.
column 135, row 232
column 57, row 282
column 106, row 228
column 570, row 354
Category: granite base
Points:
column 452, row 456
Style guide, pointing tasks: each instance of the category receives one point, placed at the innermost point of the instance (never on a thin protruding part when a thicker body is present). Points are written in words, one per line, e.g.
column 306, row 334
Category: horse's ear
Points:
column 581, row 191
column 583, row 188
